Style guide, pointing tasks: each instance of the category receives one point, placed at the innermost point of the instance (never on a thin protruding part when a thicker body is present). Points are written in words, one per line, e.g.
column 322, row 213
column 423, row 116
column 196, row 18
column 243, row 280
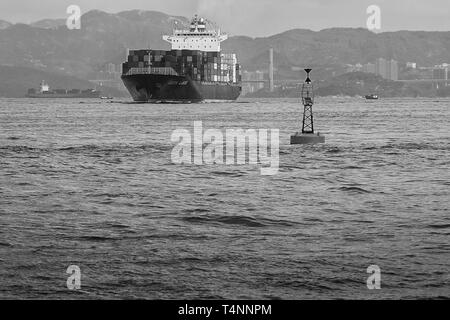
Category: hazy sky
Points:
column 257, row 17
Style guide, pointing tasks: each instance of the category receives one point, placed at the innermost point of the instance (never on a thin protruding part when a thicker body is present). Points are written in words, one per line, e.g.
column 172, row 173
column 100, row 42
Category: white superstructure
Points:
column 44, row 87
column 198, row 37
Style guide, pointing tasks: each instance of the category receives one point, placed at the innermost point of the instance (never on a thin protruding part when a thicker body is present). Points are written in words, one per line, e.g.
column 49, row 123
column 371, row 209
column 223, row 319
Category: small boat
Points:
column 372, row 97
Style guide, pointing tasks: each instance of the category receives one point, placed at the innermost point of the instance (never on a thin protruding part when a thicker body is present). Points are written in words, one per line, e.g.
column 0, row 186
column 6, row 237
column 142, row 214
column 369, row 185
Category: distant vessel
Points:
column 45, row 92
column 194, row 70
column 372, row 97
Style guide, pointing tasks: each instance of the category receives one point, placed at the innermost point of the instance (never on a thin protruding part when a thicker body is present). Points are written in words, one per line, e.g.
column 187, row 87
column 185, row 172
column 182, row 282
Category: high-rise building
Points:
column 381, row 68
column 393, row 70
column 388, row 69
column 441, row 72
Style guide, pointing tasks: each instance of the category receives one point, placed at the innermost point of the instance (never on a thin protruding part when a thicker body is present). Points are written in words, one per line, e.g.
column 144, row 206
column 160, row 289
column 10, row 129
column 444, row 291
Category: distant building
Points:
column 109, row 76
column 369, row 68
column 354, row 68
column 251, row 87
column 392, row 70
column 442, row 72
column 381, row 68
column 388, row 69
column 110, row 68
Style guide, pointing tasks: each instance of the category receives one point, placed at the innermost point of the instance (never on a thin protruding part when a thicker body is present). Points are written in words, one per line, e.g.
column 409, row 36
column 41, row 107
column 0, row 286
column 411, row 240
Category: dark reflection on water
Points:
column 93, row 185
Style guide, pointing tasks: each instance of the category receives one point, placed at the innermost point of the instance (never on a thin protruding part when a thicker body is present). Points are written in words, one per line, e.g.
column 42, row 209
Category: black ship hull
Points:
column 172, row 88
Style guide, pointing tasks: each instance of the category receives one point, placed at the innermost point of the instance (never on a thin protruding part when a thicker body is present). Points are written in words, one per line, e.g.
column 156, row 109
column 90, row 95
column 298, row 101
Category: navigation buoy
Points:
column 307, row 136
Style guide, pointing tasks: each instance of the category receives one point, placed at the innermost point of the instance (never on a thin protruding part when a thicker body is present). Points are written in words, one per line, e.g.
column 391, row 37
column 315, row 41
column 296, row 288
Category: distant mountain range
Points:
column 341, row 46
column 48, row 45
column 49, row 23
column 103, row 38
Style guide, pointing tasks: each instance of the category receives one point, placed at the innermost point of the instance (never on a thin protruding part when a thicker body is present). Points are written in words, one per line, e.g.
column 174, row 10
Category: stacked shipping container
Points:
column 198, row 65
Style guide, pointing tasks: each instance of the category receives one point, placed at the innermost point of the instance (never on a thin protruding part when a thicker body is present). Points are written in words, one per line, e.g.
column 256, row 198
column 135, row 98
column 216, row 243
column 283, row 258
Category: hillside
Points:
column 342, row 46
column 49, row 23
column 104, row 37
column 4, row 24
column 359, row 84
column 15, row 81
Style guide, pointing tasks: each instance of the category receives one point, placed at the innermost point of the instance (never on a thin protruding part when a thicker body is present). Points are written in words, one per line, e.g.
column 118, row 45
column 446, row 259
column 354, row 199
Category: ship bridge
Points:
column 199, row 36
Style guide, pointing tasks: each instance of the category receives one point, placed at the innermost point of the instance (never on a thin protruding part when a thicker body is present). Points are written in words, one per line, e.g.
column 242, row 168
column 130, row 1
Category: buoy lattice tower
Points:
column 307, row 135
column 308, row 101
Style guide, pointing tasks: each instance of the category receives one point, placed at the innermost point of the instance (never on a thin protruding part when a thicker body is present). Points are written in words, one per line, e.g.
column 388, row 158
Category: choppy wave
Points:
column 97, row 189
column 245, row 221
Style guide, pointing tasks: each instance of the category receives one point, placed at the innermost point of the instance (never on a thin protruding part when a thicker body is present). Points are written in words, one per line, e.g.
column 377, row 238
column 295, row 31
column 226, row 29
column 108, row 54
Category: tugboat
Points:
column 372, row 97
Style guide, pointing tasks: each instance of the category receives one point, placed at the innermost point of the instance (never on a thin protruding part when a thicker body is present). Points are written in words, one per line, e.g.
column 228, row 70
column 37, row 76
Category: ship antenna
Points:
column 212, row 24
column 182, row 23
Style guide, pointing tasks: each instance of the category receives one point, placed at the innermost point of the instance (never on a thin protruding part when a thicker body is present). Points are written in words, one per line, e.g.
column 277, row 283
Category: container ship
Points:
column 194, row 70
column 45, row 92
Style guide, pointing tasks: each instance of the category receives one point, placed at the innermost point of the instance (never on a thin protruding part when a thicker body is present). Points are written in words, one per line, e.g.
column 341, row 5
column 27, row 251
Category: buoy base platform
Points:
column 307, row 138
